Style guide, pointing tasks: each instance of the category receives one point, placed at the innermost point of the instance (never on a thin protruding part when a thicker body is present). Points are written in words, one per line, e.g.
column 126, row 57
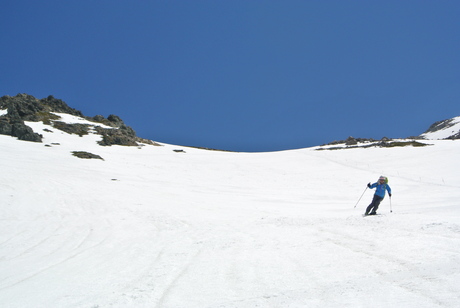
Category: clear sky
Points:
column 240, row 75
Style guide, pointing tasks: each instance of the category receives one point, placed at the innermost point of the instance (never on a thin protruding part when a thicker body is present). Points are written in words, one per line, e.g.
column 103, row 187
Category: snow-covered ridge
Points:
column 443, row 129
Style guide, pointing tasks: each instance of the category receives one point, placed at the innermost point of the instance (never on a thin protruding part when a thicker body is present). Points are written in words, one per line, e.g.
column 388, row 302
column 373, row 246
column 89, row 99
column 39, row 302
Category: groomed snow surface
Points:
column 150, row 227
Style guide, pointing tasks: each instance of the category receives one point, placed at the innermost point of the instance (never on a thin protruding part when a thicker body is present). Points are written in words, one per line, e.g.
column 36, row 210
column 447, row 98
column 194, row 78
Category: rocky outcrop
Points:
column 24, row 107
column 384, row 143
column 77, row 129
column 353, row 141
column 17, row 128
column 20, row 108
column 124, row 135
column 28, row 108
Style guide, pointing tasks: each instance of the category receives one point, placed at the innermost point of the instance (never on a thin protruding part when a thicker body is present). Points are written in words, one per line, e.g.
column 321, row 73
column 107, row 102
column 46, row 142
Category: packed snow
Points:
column 151, row 227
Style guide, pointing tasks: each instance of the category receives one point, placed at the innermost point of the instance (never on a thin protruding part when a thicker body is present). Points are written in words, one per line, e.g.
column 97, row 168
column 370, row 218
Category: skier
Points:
column 381, row 185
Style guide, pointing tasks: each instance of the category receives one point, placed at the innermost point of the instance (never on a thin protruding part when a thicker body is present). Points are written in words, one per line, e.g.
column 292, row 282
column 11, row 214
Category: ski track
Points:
column 375, row 260
column 12, row 238
column 182, row 270
column 46, row 268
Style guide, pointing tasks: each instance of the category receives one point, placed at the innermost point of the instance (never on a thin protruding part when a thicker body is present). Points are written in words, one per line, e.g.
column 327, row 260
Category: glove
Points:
column 389, row 195
column 369, row 185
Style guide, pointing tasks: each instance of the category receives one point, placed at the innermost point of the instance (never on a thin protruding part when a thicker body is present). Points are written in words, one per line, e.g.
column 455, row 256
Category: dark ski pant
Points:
column 372, row 208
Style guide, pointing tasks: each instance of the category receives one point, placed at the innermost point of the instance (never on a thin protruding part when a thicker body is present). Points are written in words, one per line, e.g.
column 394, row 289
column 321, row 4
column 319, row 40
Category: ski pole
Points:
column 391, row 210
column 360, row 197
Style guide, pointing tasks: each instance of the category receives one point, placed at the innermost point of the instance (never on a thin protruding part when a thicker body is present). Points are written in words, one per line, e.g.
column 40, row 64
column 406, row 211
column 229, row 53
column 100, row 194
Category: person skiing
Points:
column 381, row 185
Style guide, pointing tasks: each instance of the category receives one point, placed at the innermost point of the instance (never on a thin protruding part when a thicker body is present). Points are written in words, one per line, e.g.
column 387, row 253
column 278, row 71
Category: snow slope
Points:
column 150, row 227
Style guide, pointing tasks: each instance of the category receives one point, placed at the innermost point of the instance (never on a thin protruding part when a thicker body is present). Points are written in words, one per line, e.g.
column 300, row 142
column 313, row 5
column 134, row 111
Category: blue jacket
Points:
column 380, row 191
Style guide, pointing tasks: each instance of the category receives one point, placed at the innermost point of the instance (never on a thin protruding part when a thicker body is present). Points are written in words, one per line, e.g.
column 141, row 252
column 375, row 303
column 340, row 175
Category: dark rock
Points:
column 56, row 105
column 5, row 127
column 15, row 127
column 112, row 120
column 116, row 137
column 24, row 132
column 115, row 120
column 351, row 141
column 98, row 118
column 78, row 129
column 454, row 137
column 86, row 155
column 21, row 107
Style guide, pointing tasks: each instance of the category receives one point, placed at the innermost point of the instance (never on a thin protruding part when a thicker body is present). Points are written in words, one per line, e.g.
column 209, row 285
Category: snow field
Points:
column 148, row 227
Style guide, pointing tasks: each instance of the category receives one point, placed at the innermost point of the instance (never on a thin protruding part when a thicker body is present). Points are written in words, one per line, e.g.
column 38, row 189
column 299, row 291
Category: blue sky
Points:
column 241, row 75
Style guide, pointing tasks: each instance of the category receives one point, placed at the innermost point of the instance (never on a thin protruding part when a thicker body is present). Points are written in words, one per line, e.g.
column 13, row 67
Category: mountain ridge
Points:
column 445, row 129
column 25, row 107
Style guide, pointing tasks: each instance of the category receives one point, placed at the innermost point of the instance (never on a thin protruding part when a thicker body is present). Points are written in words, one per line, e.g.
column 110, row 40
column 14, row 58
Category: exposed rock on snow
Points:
column 24, row 107
column 86, row 155
column 446, row 129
